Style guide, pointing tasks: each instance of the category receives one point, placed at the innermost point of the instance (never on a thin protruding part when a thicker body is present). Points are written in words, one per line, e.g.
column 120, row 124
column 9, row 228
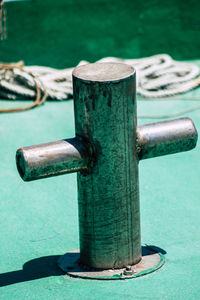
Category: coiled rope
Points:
column 8, row 86
column 158, row 76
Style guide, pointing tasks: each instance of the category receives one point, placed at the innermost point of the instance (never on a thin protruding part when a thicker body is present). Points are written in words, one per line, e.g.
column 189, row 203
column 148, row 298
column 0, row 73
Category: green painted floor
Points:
column 39, row 220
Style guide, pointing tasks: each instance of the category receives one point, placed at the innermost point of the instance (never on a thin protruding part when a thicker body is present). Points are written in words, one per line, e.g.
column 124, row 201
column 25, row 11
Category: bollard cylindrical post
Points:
column 108, row 197
column 105, row 153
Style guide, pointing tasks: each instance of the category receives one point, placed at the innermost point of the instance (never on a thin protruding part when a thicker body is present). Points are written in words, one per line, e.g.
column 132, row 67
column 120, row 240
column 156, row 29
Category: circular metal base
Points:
column 150, row 262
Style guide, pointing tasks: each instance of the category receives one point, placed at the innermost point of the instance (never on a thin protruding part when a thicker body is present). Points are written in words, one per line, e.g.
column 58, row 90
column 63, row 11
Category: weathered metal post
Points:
column 105, row 114
column 106, row 152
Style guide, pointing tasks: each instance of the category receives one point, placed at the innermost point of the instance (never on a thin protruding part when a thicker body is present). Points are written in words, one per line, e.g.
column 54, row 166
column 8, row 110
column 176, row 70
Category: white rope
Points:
column 157, row 76
column 161, row 76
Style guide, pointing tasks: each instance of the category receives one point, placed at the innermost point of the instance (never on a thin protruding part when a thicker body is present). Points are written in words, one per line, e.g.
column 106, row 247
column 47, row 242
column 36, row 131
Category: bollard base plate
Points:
column 150, row 262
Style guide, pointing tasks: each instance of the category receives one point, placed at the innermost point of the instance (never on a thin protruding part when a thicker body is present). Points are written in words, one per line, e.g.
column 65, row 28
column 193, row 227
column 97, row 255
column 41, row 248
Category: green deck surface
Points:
column 39, row 220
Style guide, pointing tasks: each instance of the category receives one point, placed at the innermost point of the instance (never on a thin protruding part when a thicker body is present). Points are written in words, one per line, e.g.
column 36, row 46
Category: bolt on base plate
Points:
column 150, row 262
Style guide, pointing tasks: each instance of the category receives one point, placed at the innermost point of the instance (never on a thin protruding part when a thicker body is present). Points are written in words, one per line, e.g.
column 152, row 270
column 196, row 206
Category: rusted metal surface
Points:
column 150, row 262
column 73, row 155
column 166, row 137
column 105, row 114
column 106, row 151
column 50, row 159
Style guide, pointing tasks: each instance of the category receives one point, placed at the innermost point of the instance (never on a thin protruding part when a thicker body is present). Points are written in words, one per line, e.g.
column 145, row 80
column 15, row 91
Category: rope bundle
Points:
column 157, row 76
column 11, row 89
column 161, row 76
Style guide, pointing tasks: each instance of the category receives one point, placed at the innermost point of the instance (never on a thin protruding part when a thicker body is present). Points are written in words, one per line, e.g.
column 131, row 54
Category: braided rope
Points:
column 36, row 84
column 157, row 76
column 160, row 76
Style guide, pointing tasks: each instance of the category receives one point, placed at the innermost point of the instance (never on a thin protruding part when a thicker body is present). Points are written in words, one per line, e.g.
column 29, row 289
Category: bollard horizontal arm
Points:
column 73, row 155
column 51, row 159
column 166, row 137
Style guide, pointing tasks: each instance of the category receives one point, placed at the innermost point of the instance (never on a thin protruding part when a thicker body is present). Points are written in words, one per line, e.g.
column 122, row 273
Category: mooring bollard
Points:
column 105, row 153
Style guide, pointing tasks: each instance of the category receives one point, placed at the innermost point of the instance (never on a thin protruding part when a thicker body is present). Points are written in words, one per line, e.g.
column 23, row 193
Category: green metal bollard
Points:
column 106, row 152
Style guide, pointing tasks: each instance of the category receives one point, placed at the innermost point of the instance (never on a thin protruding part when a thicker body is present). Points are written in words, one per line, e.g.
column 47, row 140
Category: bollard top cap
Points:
column 101, row 72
